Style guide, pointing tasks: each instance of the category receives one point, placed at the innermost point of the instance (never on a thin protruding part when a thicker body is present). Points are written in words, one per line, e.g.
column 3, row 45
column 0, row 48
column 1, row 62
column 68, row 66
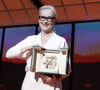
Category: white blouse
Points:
column 55, row 42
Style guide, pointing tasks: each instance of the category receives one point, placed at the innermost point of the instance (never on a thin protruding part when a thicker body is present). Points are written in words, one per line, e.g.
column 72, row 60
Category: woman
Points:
column 46, row 39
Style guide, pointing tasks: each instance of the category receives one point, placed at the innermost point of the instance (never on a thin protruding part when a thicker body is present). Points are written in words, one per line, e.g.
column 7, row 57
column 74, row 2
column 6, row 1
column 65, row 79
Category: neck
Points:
column 46, row 33
column 45, row 37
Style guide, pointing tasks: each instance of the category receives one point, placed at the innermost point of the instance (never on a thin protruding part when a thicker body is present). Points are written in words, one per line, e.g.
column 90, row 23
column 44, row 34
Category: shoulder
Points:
column 61, row 41
column 31, row 37
column 60, row 38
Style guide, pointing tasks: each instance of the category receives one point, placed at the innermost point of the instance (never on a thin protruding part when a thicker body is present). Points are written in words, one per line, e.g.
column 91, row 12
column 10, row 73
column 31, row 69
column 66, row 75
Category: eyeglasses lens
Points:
column 43, row 18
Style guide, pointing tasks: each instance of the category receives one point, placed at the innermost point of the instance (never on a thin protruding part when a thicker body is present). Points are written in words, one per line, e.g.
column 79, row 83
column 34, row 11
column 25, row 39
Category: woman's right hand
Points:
column 25, row 52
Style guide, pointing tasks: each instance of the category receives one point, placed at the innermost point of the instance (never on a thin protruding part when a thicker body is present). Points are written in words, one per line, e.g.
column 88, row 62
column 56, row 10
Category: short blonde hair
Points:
column 50, row 8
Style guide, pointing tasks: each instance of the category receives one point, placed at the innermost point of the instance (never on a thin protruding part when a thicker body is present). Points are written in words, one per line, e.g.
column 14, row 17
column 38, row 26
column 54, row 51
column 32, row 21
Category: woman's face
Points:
column 46, row 20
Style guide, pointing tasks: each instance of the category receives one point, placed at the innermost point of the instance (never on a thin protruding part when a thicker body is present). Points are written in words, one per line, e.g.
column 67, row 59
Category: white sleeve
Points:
column 65, row 45
column 14, row 51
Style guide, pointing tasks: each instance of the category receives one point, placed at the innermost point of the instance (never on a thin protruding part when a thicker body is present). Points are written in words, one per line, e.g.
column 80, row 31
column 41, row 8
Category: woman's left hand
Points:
column 48, row 79
column 54, row 78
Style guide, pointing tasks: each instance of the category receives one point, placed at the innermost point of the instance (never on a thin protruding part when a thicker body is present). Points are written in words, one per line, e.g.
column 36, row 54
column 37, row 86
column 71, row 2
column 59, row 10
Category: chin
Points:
column 45, row 29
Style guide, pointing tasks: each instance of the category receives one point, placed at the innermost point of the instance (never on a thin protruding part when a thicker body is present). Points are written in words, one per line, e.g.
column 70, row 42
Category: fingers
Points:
column 29, row 54
column 47, row 79
column 25, row 49
column 51, row 79
column 27, row 69
column 55, row 78
column 29, row 48
column 38, row 48
column 26, row 52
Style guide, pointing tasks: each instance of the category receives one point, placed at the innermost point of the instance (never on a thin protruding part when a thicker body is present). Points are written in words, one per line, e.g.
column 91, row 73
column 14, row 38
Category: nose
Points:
column 45, row 21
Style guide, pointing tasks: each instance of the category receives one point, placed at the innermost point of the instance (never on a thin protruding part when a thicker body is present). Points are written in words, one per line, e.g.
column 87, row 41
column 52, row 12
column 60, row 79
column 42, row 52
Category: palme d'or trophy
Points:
column 50, row 62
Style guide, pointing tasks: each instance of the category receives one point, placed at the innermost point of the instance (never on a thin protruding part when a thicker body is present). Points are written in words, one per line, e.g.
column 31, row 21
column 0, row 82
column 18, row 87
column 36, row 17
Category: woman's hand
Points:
column 25, row 52
column 54, row 78
column 49, row 79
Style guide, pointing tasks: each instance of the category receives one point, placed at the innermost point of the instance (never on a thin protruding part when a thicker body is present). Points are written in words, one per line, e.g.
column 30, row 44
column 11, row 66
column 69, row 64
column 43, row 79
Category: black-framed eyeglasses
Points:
column 49, row 19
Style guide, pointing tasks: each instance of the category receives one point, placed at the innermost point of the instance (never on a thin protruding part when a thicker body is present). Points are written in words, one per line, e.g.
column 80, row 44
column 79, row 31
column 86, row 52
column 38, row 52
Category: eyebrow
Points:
column 47, row 17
